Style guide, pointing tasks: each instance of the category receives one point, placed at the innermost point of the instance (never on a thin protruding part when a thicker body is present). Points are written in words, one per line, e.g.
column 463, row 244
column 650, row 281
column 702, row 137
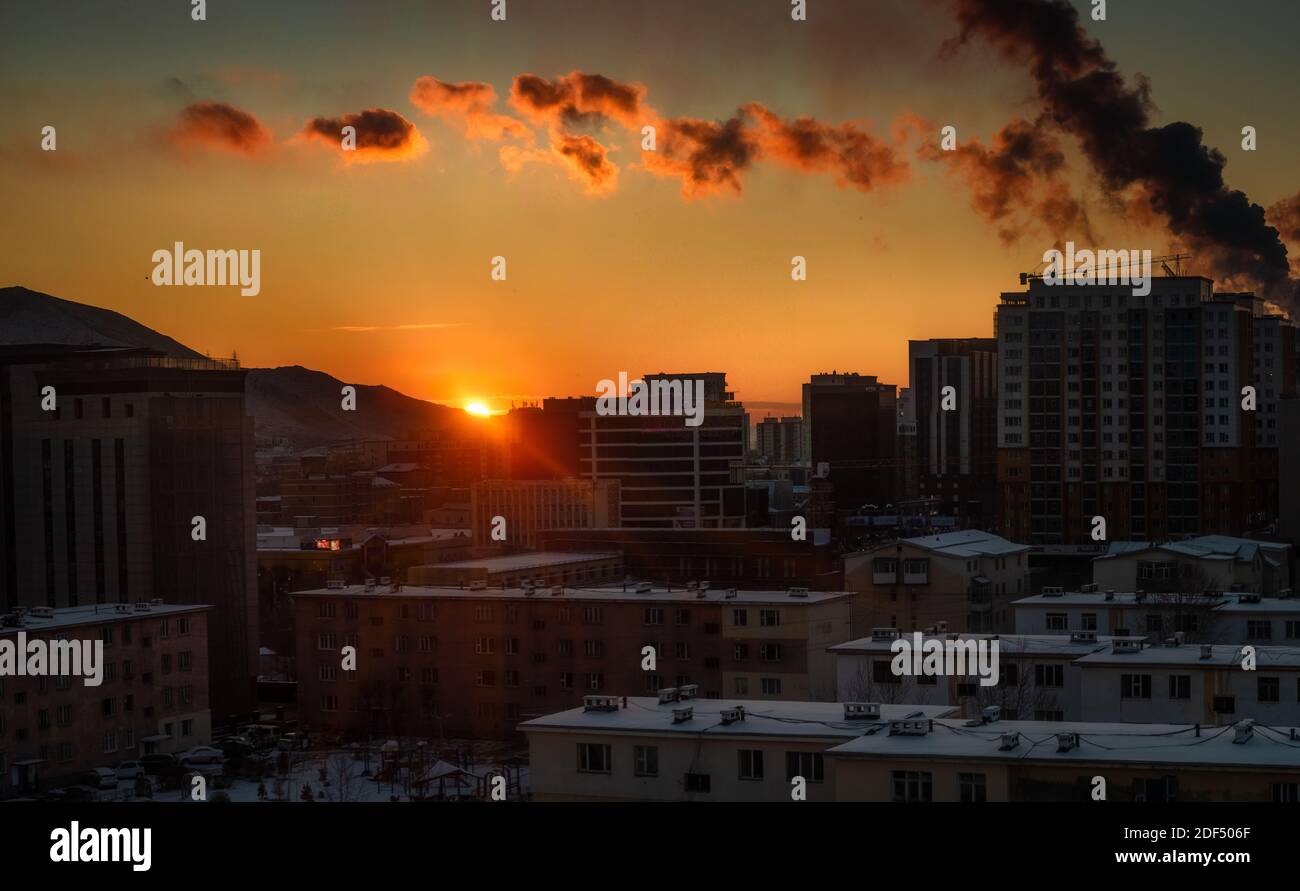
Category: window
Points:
column 770, row 686
column 1270, row 689
column 1088, row 621
column 740, row 617
column 595, row 681
column 485, row 646
column 912, row 785
column 185, row 660
column 1057, row 622
column 645, row 761
column 326, row 609
column 1135, row 686
column 654, row 616
column 566, row 647
column 697, row 782
column 682, row 649
column 595, row 649
column 1286, row 793
column 483, row 614
column 485, row 678
column 1225, row 705
column 592, row 615
column 593, row 758
column 769, row 618
column 328, row 672
column 770, row 652
column 741, row 686
column 751, row 764
column 1180, row 686
column 329, row 703
column 566, row 680
column 741, row 652
column 1049, row 675
column 110, row 742
column 1259, row 629
column 972, row 787
column 883, row 673
column 808, row 765
column 682, row 617
column 326, row 642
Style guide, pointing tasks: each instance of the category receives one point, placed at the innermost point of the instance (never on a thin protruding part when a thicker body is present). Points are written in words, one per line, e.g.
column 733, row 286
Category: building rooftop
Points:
column 645, row 714
column 594, row 593
column 1008, row 644
column 532, row 560
column 1135, row 744
column 1204, row 547
column 967, row 543
column 1118, row 598
column 1191, row 655
column 96, row 614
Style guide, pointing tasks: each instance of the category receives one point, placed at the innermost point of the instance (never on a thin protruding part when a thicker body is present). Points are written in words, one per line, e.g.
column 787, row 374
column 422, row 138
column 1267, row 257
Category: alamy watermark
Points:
column 20, row 657
column 933, row 657
column 199, row 268
column 1087, row 267
column 681, row 397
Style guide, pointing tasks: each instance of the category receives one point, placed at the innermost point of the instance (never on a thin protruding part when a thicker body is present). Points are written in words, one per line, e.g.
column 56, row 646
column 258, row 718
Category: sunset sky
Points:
column 378, row 272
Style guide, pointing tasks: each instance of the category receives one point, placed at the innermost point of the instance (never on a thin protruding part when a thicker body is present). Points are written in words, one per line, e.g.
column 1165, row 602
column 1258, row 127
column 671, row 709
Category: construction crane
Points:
column 1164, row 261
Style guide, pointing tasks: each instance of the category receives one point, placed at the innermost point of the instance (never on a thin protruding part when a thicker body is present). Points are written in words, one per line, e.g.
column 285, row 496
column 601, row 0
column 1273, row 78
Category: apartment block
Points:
column 477, row 661
column 153, row 696
column 533, row 506
column 1194, row 564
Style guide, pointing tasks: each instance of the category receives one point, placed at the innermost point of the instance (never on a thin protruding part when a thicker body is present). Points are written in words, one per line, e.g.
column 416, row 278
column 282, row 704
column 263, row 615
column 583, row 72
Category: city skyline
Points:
column 609, row 265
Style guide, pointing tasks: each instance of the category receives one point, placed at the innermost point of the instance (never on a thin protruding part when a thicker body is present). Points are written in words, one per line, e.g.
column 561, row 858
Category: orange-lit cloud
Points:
column 853, row 156
column 707, row 156
column 215, row 125
column 580, row 98
column 381, row 135
column 1017, row 179
column 470, row 104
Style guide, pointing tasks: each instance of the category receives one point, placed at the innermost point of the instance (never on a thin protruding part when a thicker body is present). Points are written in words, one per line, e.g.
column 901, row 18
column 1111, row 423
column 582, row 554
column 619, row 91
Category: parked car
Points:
column 100, row 778
column 160, row 764
column 129, row 770
column 71, row 793
column 200, row 755
column 235, row 747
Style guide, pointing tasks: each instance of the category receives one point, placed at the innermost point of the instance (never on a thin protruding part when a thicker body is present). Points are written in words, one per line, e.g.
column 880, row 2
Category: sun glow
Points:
column 479, row 409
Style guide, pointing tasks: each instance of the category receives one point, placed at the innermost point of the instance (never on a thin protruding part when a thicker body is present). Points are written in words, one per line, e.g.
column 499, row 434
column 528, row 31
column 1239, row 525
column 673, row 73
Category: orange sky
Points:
column 637, row 278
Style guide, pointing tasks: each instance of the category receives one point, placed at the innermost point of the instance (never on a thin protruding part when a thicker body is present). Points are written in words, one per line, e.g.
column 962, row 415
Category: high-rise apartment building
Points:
column 956, row 429
column 1130, row 408
column 851, row 424
column 532, row 506
column 780, row 440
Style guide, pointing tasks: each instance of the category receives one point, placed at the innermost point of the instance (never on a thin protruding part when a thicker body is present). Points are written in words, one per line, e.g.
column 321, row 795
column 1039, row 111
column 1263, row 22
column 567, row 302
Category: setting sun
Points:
column 478, row 408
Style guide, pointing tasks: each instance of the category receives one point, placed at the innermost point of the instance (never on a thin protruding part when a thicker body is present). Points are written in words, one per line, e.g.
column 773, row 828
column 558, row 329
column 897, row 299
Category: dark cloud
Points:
column 220, row 126
column 382, row 135
column 1171, row 166
column 856, row 158
column 469, row 103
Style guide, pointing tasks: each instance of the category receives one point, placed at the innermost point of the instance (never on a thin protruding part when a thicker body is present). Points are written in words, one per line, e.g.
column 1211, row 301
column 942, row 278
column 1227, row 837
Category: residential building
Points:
column 1195, row 564
column 780, row 440
column 540, row 568
column 531, row 506
column 851, row 425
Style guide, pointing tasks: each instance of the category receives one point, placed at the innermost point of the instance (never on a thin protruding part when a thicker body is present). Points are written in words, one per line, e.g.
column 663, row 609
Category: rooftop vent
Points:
column 1243, row 731
column 1110, row 593
column 797, row 592
column 557, row 590
column 730, row 595
column 692, row 585
column 909, row 727
column 334, row 584
column 732, row 715
column 1139, row 596
column 1067, row 741
column 1248, row 598
column 862, row 711
column 1053, row 591
column 941, row 626
column 599, row 704
column 477, row 585
column 1284, row 593
column 1009, row 741
column 385, row 580
column 1127, row 645
column 991, row 713
column 704, row 584
column 142, row 606
column 683, row 714
column 884, row 633
column 1176, row 640
column 124, row 607
column 42, row 612
column 1083, row 637
column 688, row 691
column 1090, row 588
column 1207, row 651
column 644, row 587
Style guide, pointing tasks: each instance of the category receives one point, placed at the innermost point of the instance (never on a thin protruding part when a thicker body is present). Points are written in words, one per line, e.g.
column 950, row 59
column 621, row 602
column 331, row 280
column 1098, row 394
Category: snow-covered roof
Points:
column 1008, row 644
column 594, row 593
column 1268, row 747
column 967, row 543
column 778, row 718
column 1204, row 547
column 534, row 560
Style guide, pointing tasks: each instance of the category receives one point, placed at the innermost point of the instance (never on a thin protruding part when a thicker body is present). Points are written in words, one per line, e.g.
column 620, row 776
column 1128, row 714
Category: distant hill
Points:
column 291, row 402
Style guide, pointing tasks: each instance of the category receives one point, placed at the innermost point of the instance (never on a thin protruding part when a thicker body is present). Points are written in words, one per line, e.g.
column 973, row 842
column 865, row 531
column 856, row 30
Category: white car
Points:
column 129, row 770
column 100, row 778
column 201, row 755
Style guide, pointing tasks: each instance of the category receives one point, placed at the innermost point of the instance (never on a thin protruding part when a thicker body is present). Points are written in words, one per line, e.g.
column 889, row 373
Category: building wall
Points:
column 554, row 774
column 532, row 506
column 146, row 698
column 1101, row 688
column 872, row 779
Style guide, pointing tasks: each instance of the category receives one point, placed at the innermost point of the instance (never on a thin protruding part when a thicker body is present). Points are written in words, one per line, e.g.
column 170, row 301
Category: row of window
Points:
column 599, row 758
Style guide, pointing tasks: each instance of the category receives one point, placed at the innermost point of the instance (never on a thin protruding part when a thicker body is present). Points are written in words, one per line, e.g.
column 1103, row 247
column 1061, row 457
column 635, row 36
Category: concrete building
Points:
column 851, row 424
column 475, row 662
column 946, row 760
column 729, row 558
column 956, row 447
column 966, row 579
column 780, row 440
column 1129, row 407
column 532, row 506
column 1038, row 676
column 1190, row 684
column 153, row 696
column 645, row 749
column 1195, row 564
column 672, row 474
column 98, row 497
